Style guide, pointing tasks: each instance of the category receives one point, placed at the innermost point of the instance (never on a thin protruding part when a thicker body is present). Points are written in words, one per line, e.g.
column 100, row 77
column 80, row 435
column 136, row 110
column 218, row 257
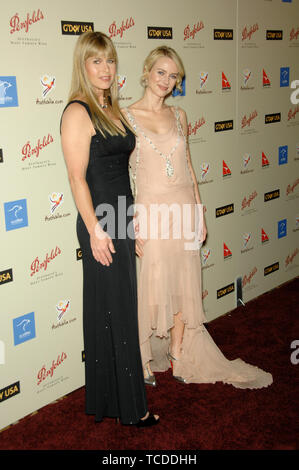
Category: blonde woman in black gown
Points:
column 97, row 142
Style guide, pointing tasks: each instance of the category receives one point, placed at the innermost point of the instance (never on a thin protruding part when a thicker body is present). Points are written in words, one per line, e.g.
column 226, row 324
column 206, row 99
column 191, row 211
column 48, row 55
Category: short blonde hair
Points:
column 92, row 44
column 154, row 55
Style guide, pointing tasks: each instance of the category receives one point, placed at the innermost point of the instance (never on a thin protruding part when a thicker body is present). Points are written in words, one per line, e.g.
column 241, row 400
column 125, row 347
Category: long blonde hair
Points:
column 152, row 58
column 92, row 44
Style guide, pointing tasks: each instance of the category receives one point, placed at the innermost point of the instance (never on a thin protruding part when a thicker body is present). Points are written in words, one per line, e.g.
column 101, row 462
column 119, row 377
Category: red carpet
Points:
column 194, row 416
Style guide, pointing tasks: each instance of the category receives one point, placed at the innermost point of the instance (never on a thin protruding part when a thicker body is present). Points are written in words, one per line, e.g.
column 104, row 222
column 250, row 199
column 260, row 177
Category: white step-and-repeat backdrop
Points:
column 241, row 61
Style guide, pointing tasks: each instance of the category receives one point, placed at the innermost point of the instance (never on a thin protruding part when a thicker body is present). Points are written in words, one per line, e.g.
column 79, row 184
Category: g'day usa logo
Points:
column 75, row 27
column 6, row 276
column 8, row 92
column 16, row 214
column 9, row 391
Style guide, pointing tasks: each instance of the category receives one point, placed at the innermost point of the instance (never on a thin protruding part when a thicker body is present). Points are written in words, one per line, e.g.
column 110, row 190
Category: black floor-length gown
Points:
column 113, row 370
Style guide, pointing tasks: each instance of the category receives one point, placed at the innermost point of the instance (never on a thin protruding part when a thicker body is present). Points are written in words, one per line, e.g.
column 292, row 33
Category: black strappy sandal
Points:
column 149, row 421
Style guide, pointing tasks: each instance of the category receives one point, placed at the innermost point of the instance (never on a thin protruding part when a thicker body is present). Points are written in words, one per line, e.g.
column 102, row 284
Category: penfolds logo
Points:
column 36, row 265
column 246, row 202
column 192, row 130
column 294, row 34
column 291, row 187
column 292, row 113
column 16, row 24
column 247, row 279
column 29, row 151
column 115, row 31
column 44, row 372
column 290, row 258
column 190, row 33
column 247, row 33
column 247, row 121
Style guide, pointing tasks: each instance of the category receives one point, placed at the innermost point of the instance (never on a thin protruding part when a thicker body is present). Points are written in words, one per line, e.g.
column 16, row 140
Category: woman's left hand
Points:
column 204, row 231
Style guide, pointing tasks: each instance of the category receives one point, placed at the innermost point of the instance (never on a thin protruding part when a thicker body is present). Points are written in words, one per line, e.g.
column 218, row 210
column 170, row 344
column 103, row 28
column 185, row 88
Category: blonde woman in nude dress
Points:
column 170, row 228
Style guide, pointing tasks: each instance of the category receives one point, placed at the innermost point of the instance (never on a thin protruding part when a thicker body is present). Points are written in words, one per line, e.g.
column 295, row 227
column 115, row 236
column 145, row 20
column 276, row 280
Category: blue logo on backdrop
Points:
column 284, row 76
column 283, row 155
column 8, row 92
column 282, row 228
column 24, row 328
column 286, row 1
column 16, row 214
column 176, row 92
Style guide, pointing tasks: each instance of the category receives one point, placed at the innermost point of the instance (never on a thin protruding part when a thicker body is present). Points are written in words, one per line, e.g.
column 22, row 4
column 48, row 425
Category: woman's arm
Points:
column 76, row 132
column 184, row 123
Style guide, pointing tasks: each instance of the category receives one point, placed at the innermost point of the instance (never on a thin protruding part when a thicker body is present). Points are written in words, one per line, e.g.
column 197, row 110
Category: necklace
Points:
column 169, row 167
column 105, row 105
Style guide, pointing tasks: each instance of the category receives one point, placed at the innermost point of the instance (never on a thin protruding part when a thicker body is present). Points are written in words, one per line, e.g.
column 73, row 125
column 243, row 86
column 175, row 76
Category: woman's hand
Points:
column 138, row 241
column 204, row 231
column 139, row 246
column 101, row 246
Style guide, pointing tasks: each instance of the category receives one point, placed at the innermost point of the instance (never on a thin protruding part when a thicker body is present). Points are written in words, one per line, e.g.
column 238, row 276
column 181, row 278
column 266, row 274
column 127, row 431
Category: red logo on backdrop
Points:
column 265, row 237
column 246, row 203
column 190, row 33
column 266, row 81
column 29, row 151
column 44, row 373
column 225, row 82
column 225, row 170
column 290, row 258
column 247, row 33
column 226, row 252
column 292, row 113
column 36, row 265
column 17, row 25
column 192, row 130
column 265, row 161
column 294, row 34
column 247, row 121
column 291, row 187
column 115, row 31
column 247, row 279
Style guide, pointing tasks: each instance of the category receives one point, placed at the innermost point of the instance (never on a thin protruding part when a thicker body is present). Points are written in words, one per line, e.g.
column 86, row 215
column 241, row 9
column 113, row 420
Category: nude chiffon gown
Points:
column 169, row 278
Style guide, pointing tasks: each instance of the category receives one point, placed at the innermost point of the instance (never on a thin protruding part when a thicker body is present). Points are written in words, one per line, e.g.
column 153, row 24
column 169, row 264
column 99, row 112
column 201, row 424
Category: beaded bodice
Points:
column 159, row 159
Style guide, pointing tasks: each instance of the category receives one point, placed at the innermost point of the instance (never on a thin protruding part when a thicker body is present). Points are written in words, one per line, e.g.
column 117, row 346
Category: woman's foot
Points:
column 172, row 359
column 149, row 378
column 148, row 420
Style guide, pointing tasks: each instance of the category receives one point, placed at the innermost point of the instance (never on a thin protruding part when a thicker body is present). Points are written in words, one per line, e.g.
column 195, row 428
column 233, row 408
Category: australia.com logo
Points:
column 8, row 92
column 16, row 214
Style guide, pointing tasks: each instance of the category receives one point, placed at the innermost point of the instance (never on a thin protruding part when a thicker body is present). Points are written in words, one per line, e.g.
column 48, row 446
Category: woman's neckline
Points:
column 96, row 131
column 146, row 130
